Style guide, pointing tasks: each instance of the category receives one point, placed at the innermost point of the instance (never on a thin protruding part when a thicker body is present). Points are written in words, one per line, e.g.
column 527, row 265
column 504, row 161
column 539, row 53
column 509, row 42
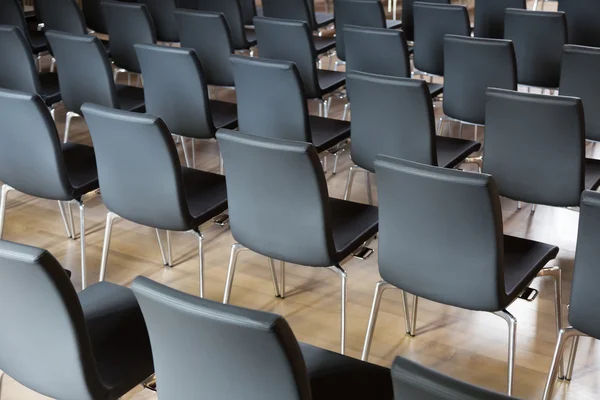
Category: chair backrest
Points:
column 232, row 11
column 538, row 38
column 489, row 17
column 17, row 68
column 471, row 65
column 367, row 13
column 248, row 11
column 138, row 168
column 456, row 213
column 83, row 59
column 414, row 381
column 391, row 116
column 61, row 15
column 516, row 123
column 44, row 344
column 579, row 78
column 432, row 23
column 377, row 51
column 163, row 16
column 11, row 13
column 290, row 41
column 582, row 21
column 209, row 35
column 31, row 158
column 270, row 99
column 175, row 90
column 128, row 25
column 297, row 10
column 407, row 18
column 94, row 17
column 267, row 171
column 584, row 293
column 191, row 335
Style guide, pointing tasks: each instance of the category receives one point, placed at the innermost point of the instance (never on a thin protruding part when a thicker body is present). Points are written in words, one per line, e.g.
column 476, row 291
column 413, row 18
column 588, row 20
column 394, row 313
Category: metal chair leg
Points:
column 82, row 244
column 185, row 153
column 235, row 250
column 563, row 336
column 535, row 4
column 344, row 278
column 193, row 153
column 512, row 339
column 70, row 116
column 169, row 253
column 556, row 274
column 201, row 262
column 282, row 277
column 380, row 287
column 413, row 324
column 110, row 218
column 572, row 356
column 70, row 218
column 351, row 173
column 5, row 190
column 274, row 276
column 345, row 114
column 336, row 157
column 61, row 208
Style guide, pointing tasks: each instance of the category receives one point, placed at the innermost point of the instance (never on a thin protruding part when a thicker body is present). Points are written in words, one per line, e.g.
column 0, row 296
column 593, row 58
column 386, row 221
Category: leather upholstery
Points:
column 471, row 65
column 582, row 21
column 408, row 24
column 232, row 11
column 538, row 38
column 11, row 13
column 163, row 16
column 296, row 10
column 94, row 17
column 489, row 17
column 248, row 11
column 432, row 23
column 61, row 15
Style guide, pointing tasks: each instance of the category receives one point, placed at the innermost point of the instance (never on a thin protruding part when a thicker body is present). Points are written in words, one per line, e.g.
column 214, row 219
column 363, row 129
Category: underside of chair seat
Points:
column 131, row 98
column 38, row 42
column 224, row 114
column 251, row 37
column 323, row 19
column 80, row 163
column 435, row 89
column 206, row 194
column 50, row 90
column 352, row 225
column 592, row 173
column 523, row 259
column 327, row 132
column 334, row 376
column 452, row 151
column 330, row 80
column 391, row 24
column 323, row 44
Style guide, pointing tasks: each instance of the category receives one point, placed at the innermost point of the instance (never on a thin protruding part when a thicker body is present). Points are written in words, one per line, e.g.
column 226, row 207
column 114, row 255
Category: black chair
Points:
column 312, row 228
column 185, row 199
column 33, row 161
column 65, row 345
column 407, row 18
column 432, row 23
column 184, row 329
column 414, row 381
column 209, row 35
column 291, row 41
column 242, row 38
column 476, row 267
column 11, row 13
column 489, row 17
column 94, row 17
column 538, row 38
column 271, row 103
column 583, row 318
column 175, row 90
column 402, row 112
column 579, row 78
column 82, row 59
column 582, row 21
column 163, row 16
column 249, row 11
column 297, row 10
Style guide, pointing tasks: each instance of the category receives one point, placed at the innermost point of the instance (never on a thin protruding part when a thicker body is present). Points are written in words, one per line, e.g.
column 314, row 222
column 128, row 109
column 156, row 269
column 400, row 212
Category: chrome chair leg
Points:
column 413, row 323
column 460, row 130
column 110, row 218
column 221, row 169
column 336, row 156
column 82, row 243
column 535, row 4
column 160, row 247
column 572, row 355
column 5, row 190
column 61, row 208
column 519, row 205
column 185, row 153
column 53, row 64
column 70, row 116
column 564, row 335
column 512, row 339
column 274, row 276
column 282, row 277
column 235, row 250
column 201, row 262
column 53, row 113
column 70, row 218
column 369, row 187
column 475, row 133
column 169, row 253
column 345, row 113
column 533, row 208
column 344, row 278
column 556, row 274
column 380, row 287
column 193, row 153
column 351, row 173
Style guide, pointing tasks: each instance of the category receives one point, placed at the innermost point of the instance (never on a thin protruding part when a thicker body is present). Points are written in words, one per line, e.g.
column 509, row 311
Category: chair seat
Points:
column 118, row 336
column 352, row 224
column 329, row 81
column 251, row 37
column 323, row 44
column 224, row 114
column 131, row 98
column 50, row 91
column 435, row 89
column 451, row 151
column 39, row 43
column 206, row 194
column 323, row 19
column 523, row 259
column 391, row 24
column 334, row 376
column 327, row 132
column 80, row 162
column 592, row 173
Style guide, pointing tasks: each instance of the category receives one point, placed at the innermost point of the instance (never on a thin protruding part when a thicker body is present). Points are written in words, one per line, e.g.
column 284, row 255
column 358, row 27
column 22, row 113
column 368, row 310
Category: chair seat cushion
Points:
column 38, row 42
column 592, row 173
column 50, row 91
column 352, row 224
column 323, row 19
column 323, row 44
column 435, row 89
column 330, row 80
column 131, row 98
column 206, row 194
column 391, row 24
column 251, row 37
column 118, row 336
column 523, row 259
column 327, row 132
column 80, row 162
column 451, row 151
column 334, row 376
column 224, row 114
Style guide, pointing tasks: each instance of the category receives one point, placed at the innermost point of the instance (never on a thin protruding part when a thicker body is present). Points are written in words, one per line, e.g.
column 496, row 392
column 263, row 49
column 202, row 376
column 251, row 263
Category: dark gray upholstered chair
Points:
column 92, row 345
column 538, row 38
column 163, row 16
column 476, row 267
column 432, row 23
column 310, row 228
column 583, row 315
column 241, row 37
column 557, row 172
column 11, row 13
column 270, row 363
column 209, row 35
column 291, row 41
column 33, row 161
column 367, row 13
column 407, row 18
column 582, row 21
column 175, row 198
column 175, row 90
column 489, row 17
column 249, row 11
column 579, row 78
column 402, row 112
column 271, row 103
column 297, row 10
column 18, row 70
column 94, row 17
column 414, row 381
column 82, row 59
